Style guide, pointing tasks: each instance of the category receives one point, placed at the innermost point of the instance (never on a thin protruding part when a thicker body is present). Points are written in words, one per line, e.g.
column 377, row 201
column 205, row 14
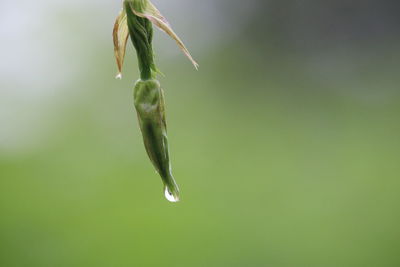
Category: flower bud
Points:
column 150, row 107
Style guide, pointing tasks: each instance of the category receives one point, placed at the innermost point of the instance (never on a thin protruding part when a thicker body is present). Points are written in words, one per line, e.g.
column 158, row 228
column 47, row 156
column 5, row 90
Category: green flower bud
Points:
column 150, row 107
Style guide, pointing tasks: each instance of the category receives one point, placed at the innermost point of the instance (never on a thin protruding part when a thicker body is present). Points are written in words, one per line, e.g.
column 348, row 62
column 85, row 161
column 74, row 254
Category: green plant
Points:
column 136, row 21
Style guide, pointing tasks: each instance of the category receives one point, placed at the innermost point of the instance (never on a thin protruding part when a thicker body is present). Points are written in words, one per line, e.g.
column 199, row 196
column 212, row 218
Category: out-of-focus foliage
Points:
column 285, row 143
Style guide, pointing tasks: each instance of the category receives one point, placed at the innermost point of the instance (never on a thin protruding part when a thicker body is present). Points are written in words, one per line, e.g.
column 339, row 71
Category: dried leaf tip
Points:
column 120, row 37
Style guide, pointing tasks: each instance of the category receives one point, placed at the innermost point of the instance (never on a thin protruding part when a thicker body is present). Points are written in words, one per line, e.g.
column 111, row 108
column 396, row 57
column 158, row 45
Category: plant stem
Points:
column 141, row 32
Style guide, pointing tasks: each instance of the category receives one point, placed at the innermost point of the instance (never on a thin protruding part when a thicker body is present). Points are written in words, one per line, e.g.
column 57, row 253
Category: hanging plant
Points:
column 136, row 21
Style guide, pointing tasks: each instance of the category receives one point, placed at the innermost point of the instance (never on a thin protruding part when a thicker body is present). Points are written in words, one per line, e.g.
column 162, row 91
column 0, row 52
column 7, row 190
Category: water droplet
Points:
column 119, row 76
column 169, row 196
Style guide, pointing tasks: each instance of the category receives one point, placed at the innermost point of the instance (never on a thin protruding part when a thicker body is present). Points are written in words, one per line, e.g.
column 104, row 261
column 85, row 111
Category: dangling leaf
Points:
column 151, row 13
column 120, row 36
column 153, row 10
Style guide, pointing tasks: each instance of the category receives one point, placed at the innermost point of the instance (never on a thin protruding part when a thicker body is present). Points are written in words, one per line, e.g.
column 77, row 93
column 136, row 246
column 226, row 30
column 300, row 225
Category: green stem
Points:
column 141, row 33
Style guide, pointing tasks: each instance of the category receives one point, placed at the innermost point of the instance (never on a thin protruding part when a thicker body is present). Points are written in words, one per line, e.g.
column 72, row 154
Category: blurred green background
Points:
column 285, row 143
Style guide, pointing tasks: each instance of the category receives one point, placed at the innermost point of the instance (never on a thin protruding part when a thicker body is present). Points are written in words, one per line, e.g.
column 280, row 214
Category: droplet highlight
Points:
column 119, row 76
column 169, row 196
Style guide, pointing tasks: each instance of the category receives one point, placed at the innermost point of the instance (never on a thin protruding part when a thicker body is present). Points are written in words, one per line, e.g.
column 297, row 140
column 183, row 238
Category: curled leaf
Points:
column 120, row 37
column 151, row 13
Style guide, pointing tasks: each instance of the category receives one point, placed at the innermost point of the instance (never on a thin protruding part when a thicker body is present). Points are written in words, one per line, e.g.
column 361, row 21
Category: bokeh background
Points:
column 285, row 144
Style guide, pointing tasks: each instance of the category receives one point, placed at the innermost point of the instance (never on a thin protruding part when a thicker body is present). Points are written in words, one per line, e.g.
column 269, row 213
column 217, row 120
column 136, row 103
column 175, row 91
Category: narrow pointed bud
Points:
column 120, row 38
column 150, row 12
column 150, row 107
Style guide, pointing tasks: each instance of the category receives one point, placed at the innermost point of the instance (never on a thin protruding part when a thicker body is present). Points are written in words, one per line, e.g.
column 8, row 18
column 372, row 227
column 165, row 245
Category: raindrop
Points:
column 169, row 196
